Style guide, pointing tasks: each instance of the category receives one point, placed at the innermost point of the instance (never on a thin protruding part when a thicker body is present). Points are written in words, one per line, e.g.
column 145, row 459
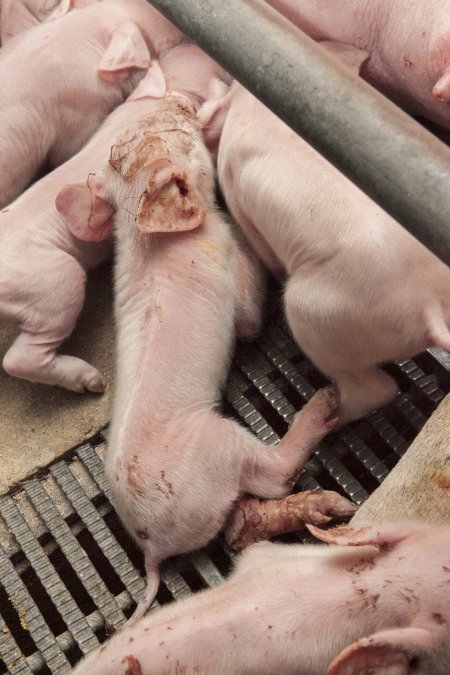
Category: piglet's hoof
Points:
column 253, row 519
column 109, row 629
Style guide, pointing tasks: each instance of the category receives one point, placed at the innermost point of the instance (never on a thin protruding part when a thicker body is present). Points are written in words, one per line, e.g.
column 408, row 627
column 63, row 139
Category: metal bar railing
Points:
column 401, row 165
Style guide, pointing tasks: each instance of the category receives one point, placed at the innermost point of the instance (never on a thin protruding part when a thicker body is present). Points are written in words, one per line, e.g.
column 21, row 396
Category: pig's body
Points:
column 61, row 79
column 293, row 609
column 360, row 289
column 183, row 288
column 407, row 42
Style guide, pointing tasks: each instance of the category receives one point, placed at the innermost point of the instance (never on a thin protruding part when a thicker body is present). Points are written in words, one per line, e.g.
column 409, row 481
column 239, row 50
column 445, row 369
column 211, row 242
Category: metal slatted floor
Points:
column 67, row 567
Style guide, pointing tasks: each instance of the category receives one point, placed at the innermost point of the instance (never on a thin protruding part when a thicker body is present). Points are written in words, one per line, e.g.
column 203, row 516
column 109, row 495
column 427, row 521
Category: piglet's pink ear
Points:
column 170, row 204
column 441, row 89
column 388, row 652
column 153, row 85
column 352, row 57
column 88, row 216
column 127, row 50
column 364, row 535
column 213, row 112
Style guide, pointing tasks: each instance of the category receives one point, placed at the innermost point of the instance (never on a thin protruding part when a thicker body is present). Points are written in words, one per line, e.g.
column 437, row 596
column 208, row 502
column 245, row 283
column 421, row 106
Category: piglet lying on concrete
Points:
column 183, row 288
column 43, row 266
column 49, row 107
column 17, row 16
column 360, row 289
column 408, row 42
column 377, row 603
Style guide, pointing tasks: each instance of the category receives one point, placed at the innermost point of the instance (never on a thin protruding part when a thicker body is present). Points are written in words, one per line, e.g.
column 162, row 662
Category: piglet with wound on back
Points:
column 183, row 289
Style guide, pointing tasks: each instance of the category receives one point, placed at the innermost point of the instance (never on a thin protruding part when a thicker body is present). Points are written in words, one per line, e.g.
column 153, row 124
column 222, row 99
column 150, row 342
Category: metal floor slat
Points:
column 74, row 553
column 60, row 596
column 95, row 524
column 49, row 649
column 79, row 540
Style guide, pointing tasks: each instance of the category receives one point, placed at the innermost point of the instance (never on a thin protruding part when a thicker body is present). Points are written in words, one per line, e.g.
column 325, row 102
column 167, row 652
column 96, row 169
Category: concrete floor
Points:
column 39, row 423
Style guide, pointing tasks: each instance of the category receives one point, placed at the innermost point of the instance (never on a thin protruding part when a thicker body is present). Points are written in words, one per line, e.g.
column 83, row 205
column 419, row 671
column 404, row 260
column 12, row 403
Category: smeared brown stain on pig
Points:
column 166, row 487
column 167, row 482
column 134, row 667
column 438, row 618
column 134, row 473
column 361, row 565
column 405, row 596
column 147, row 316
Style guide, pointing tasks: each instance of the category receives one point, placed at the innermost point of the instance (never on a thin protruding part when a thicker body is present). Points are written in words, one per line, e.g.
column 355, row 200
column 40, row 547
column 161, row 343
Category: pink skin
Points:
column 17, row 16
column 183, row 289
column 360, row 290
column 408, row 44
column 365, row 609
column 113, row 42
column 253, row 520
column 34, row 237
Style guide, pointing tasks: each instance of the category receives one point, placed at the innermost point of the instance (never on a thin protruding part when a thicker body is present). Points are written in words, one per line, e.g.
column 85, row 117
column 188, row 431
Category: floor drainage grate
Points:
column 66, row 564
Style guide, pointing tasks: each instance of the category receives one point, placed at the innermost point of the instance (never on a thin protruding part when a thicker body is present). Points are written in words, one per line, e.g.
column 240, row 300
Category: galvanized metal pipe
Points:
column 391, row 157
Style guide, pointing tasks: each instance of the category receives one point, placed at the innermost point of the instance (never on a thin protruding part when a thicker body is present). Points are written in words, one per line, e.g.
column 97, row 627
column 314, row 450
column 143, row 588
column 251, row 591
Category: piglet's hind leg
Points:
column 32, row 358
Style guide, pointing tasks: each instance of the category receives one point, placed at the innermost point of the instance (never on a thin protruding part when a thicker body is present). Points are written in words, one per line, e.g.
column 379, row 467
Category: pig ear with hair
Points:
column 87, row 214
column 212, row 114
column 351, row 57
column 441, row 89
column 170, row 203
column 388, row 652
column 153, row 85
column 364, row 535
column 127, row 51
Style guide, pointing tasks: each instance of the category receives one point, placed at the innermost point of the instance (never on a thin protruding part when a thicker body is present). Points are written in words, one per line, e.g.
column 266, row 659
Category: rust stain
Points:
column 441, row 478
column 134, row 667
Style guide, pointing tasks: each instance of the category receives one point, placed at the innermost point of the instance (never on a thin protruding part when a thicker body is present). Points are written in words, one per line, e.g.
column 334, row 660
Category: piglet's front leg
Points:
column 253, row 519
